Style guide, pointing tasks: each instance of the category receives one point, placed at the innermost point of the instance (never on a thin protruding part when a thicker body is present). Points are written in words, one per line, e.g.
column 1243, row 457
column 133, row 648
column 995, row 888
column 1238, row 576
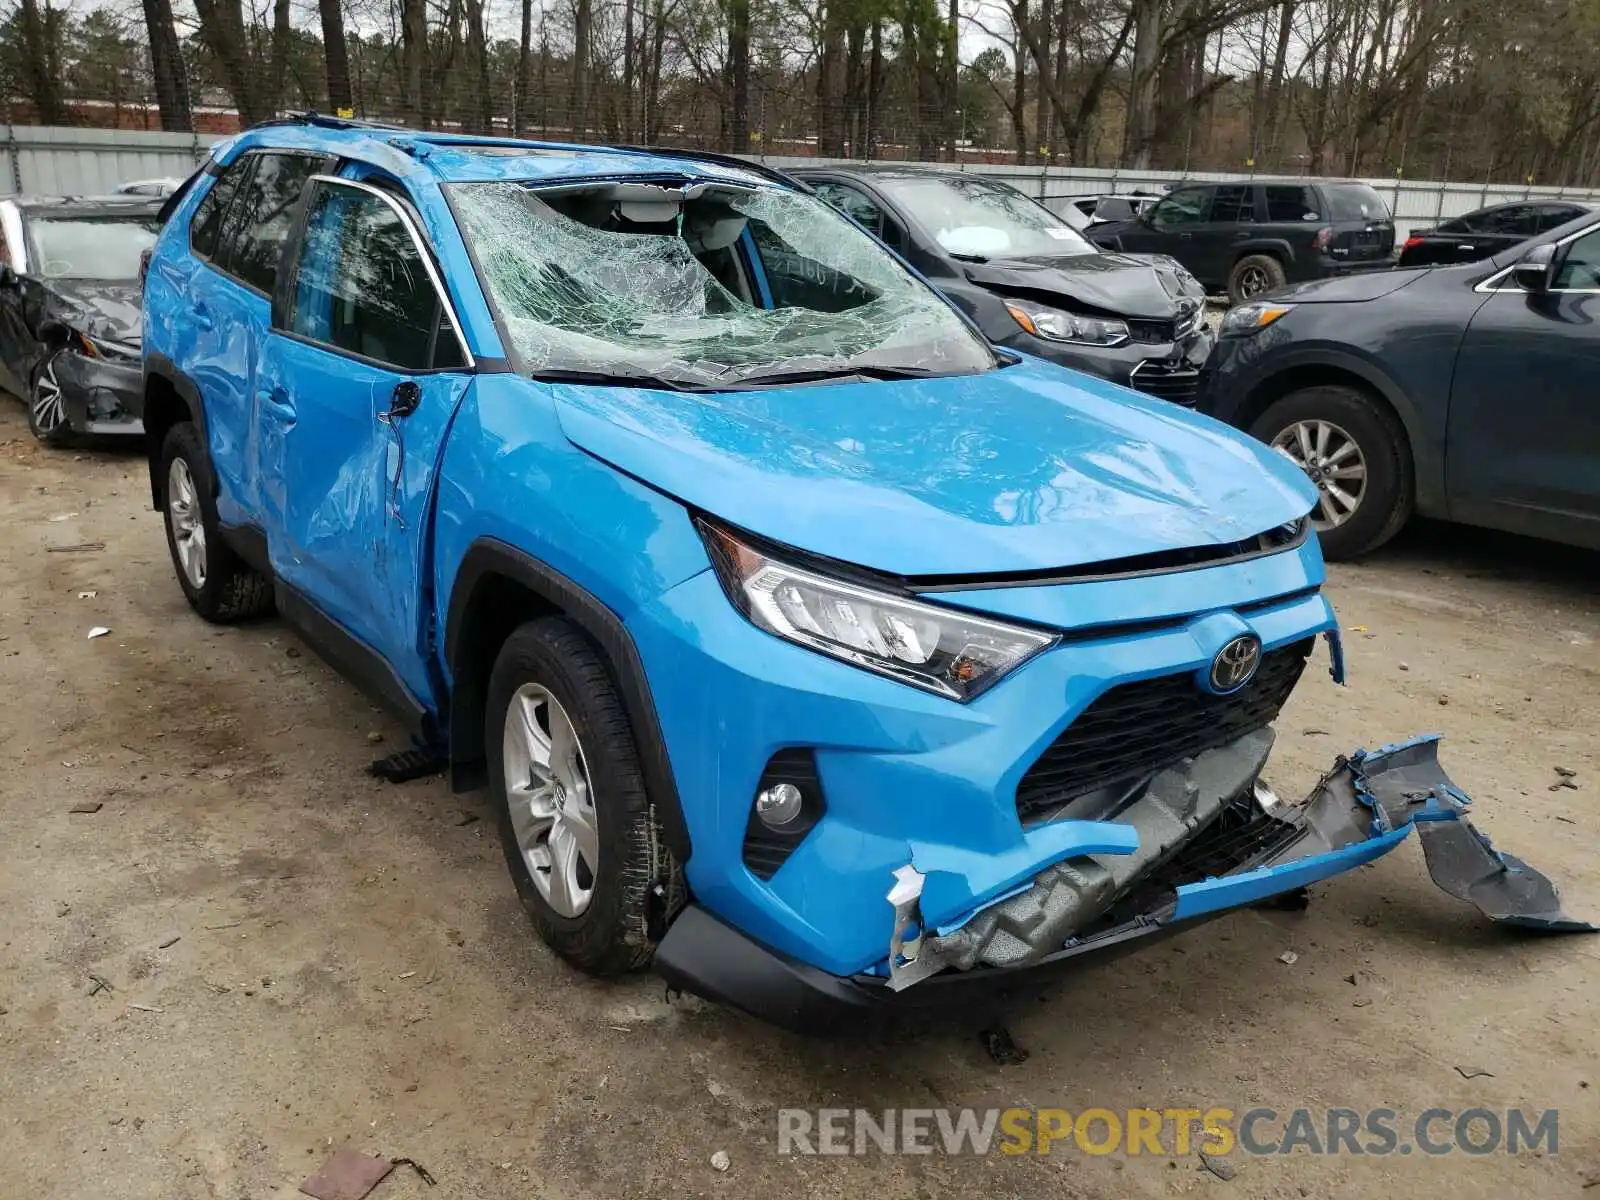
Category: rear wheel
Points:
column 1355, row 451
column 1253, row 275
column 583, row 846
column 219, row 585
column 47, row 406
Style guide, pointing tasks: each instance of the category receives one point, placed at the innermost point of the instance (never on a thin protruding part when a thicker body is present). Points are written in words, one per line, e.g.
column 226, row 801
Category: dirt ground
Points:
column 299, row 955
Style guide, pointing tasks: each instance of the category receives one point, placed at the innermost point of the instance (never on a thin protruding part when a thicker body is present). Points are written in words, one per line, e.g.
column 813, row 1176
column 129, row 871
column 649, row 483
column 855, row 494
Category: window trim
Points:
column 289, row 279
column 1487, row 286
column 247, row 162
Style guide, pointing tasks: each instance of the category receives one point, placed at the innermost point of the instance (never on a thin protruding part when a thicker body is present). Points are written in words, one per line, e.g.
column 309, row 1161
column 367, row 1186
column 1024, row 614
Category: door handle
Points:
column 403, row 402
column 1186, row 237
column 202, row 316
column 1241, row 237
column 277, row 397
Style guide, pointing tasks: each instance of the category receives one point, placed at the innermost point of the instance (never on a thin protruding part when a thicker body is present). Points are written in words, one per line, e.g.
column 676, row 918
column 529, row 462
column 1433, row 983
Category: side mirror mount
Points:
column 8, row 277
column 1533, row 272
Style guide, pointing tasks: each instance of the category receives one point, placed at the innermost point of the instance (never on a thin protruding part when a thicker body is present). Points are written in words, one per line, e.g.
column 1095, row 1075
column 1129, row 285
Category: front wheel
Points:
column 1355, row 451
column 47, row 406
column 587, row 856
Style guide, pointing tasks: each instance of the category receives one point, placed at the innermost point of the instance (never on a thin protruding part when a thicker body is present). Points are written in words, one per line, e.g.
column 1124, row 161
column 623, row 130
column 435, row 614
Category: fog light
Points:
column 778, row 805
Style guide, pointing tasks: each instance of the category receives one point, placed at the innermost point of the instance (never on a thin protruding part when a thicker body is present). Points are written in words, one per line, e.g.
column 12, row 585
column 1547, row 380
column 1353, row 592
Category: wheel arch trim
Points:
column 1427, row 465
column 489, row 557
column 159, row 366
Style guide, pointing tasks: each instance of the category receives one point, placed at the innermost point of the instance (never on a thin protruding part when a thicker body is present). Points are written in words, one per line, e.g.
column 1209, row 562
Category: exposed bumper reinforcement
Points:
column 1364, row 807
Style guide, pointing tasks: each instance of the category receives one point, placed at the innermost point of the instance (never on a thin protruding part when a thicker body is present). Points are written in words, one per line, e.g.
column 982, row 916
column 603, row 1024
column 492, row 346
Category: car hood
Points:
column 1350, row 289
column 100, row 308
column 1026, row 468
column 1153, row 287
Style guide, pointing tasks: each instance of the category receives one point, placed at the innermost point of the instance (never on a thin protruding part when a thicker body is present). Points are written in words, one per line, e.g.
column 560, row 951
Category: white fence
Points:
column 50, row 161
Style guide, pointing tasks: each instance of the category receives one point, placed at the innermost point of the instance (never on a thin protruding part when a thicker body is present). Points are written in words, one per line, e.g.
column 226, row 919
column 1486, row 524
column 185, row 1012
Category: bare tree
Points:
column 168, row 76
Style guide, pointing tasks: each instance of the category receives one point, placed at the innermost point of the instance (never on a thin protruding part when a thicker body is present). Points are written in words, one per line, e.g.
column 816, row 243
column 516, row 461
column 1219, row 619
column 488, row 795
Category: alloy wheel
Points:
column 185, row 524
column 1333, row 461
column 552, row 807
column 49, row 404
column 1253, row 281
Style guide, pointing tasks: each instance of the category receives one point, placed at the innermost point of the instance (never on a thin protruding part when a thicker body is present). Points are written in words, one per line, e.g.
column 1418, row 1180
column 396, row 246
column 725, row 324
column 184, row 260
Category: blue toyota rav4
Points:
column 811, row 649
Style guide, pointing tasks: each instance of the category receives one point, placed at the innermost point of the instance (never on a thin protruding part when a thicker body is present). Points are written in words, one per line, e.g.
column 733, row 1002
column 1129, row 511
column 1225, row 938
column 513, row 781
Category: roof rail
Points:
column 711, row 156
column 324, row 121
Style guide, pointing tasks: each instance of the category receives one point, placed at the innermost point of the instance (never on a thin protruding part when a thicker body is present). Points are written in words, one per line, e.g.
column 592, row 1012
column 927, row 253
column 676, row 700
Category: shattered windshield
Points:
column 978, row 218
column 702, row 284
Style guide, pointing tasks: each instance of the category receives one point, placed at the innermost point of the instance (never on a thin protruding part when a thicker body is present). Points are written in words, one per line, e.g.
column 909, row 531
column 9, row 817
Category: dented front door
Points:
column 362, row 376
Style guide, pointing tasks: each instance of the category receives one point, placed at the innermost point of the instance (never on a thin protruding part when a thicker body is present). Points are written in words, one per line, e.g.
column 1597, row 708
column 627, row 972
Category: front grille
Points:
column 1137, row 729
column 1177, row 384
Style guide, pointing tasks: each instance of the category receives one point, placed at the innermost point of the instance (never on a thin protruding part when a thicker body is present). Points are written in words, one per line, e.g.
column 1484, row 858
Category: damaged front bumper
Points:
column 102, row 395
column 1199, row 840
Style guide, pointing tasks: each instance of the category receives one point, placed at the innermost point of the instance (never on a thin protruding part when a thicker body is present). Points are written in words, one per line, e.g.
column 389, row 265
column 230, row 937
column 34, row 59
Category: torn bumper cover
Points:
column 1200, row 839
column 102, row 395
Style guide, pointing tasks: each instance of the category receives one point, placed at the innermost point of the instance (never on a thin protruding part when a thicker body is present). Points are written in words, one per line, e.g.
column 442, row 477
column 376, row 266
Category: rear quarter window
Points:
column 1355, row 202
column 1291, row 202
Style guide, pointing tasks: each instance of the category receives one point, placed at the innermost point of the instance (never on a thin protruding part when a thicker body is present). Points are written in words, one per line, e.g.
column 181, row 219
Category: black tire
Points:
column 230, row 590
column 1386, row 503
column 637, row 886
column 59, row 432
column 1254, row 275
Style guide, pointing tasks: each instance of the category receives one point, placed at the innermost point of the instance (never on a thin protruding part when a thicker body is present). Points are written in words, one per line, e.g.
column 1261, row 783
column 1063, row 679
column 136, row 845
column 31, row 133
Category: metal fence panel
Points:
column 47, row 161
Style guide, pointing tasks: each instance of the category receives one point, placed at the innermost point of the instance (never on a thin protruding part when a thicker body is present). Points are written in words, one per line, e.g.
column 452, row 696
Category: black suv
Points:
column 1248, row 238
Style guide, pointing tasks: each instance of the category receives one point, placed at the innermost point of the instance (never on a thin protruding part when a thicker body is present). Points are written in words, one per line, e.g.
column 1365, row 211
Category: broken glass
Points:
column 702, row 285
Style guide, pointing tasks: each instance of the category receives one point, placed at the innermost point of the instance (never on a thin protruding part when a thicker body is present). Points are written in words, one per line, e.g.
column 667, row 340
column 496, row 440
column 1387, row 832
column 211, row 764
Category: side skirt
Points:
column 333, row 643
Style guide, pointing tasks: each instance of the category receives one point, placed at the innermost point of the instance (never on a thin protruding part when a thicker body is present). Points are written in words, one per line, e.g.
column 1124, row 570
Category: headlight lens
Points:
column 104, row 348
column 1060, row 326
column 937, row 649
column 1247, row 319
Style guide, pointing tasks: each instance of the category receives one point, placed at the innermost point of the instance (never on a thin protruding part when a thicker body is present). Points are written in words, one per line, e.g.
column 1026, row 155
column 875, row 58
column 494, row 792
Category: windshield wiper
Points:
column 608, row 379
column 846, row 371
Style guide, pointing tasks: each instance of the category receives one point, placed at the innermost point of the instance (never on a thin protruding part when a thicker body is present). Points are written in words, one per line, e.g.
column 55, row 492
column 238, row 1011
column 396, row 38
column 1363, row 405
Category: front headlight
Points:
column 1247, row 319
column 1058, row 326
column 105, row 348
column 937, row 649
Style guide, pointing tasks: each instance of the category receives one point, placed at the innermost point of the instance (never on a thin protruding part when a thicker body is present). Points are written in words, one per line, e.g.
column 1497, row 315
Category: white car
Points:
column 149, row 187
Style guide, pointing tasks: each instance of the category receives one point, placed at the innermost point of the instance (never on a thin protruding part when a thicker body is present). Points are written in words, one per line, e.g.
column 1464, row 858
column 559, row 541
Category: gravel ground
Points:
column 299, row 956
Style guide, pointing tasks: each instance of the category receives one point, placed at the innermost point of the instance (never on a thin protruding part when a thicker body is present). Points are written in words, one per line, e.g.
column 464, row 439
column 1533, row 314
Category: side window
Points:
column 893, row 235
column 361, row 286
column 1182, row 206
column 258, row 224
column 1233, row 204
column 1552, row 216
column 1288, row 203
column 1580, row 266
column 207, row 222
column 1512, row 219
column 797, row 281
column 856, row 205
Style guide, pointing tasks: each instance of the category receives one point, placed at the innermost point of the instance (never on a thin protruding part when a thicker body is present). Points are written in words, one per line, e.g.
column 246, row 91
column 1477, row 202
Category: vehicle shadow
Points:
column 1442, row 549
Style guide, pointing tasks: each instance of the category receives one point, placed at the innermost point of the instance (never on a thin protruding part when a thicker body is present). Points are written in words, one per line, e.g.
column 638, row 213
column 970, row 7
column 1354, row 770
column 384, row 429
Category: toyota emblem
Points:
column 1235, row 664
